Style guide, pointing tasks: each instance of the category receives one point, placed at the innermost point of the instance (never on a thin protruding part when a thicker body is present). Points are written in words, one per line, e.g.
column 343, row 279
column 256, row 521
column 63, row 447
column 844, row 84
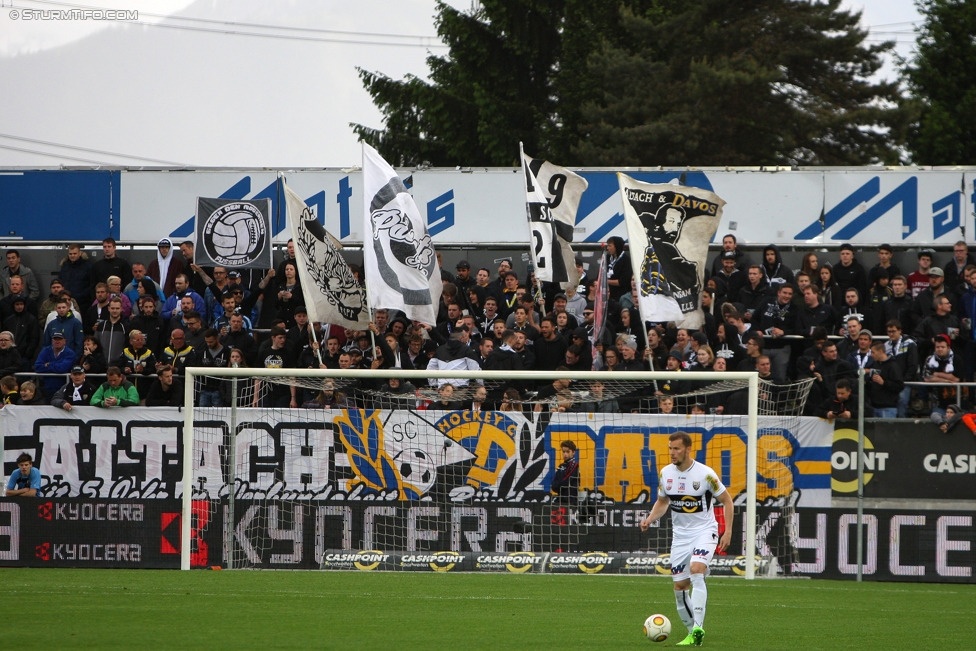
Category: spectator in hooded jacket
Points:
column 777, row 319
column 149, row 323
column 14, row 268
column 111, row 265
column 899, row 306
column 76, row 274
column 26, row 331
column 113, row 333
column 753, row 293
column 848, row 273
column 10, row 361
column 166, row 267
column 774, row 271
column 15, row 291
column 66, row 323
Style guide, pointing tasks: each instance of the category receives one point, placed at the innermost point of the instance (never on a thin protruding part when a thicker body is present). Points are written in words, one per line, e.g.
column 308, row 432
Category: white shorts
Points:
column 686, row 551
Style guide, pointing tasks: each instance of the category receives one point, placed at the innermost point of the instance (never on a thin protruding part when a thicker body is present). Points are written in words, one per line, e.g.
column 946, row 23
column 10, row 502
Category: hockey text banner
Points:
column 332, row 294
column 669, row 228
column 315, row 454
column 552, row 196
column 401, row 268
column 233, row 234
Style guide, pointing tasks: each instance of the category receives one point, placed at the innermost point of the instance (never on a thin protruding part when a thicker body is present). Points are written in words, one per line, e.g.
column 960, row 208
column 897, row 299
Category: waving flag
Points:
column 669, row 228
column 401, row 268
column 552, row 196
column 332, row 294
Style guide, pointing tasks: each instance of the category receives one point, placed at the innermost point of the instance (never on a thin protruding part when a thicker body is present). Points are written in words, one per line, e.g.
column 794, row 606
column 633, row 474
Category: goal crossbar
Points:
column 752, row 427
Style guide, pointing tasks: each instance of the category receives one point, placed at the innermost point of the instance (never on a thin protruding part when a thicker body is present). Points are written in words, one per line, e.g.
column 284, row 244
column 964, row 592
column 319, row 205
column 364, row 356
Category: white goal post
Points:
column 310, row 377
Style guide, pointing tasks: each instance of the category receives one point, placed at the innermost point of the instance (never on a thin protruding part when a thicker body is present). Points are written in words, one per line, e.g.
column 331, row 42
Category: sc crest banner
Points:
column 233, row 233
column 669, row 228
column 402, row 454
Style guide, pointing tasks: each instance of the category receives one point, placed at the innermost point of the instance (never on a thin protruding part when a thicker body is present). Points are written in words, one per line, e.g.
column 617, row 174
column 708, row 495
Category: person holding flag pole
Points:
column 552, row 196
column 400, row 265
column 332, row 294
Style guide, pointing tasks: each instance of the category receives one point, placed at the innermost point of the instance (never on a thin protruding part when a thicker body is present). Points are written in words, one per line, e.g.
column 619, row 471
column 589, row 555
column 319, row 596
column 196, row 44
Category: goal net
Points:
column 391, row 469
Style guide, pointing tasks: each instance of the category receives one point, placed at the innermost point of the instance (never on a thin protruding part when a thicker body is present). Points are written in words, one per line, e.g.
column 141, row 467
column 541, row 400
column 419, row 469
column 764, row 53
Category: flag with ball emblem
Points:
column 233, row 233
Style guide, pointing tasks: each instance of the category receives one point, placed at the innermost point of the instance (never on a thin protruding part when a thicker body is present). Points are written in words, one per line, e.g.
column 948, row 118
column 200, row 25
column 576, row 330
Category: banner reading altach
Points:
column 669, row 228
column 233, row 233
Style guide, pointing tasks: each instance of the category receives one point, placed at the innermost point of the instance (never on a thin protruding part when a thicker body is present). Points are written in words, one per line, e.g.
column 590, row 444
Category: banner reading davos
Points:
column 396, row 455
column 901, row 206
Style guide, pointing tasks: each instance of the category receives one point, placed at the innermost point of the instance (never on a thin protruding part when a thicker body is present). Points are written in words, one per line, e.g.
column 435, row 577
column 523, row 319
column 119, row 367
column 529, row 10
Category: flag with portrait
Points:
column 400, row 264
column 552, row 197
column 332, row 294
column 669, row 228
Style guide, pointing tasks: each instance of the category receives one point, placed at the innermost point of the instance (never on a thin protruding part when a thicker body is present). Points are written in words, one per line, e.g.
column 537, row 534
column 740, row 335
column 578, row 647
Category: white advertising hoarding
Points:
column 472, row 207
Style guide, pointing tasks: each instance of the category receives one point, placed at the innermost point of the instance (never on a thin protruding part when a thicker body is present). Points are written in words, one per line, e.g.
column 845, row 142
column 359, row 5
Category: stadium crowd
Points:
column 140, row 325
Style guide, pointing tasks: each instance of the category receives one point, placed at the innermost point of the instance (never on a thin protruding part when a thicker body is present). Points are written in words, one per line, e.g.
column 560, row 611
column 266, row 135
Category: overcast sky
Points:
column 180, row 86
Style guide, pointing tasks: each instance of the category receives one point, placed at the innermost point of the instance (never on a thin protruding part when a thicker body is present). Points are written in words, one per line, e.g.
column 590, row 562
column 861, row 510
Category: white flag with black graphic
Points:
column 552, row 196
column 233, row 233
column 332, row 294
column 669, row 228
column 401, row 268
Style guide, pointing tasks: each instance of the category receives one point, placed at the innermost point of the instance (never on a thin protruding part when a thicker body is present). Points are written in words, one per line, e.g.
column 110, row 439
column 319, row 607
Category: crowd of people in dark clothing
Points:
column 141, row 325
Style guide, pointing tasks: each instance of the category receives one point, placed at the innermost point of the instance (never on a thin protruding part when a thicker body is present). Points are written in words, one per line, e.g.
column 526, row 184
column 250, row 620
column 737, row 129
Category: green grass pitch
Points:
column 122, row 609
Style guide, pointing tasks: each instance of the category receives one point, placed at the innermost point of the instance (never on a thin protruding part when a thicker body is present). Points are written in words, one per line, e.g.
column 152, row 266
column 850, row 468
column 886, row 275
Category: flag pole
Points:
column 282, row 180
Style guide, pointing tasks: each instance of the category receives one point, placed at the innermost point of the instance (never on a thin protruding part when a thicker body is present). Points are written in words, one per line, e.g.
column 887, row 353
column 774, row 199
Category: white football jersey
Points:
column 692, row 494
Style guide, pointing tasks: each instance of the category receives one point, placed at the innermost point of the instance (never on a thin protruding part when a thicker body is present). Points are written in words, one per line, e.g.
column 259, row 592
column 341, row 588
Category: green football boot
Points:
column 688, row 641
column 698, row 633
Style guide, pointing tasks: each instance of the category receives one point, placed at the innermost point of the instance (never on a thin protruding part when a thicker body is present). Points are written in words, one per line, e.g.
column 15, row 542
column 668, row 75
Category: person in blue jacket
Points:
column 66, row 323
column 56, row 358
column 26, row 480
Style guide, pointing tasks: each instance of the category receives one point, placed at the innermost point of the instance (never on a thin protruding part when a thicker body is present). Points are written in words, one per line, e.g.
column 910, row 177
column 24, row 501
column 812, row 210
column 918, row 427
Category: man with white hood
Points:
column 165, row 267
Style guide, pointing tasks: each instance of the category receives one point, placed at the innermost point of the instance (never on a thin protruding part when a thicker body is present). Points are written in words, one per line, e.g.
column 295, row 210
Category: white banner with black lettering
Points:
column 388, row 454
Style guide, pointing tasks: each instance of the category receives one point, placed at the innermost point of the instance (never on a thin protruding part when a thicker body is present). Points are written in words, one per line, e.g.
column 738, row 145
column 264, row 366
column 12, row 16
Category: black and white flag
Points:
column 669, row 228
column 332, row 294
column 552, row 196
column 233, row 233
column 401, row 268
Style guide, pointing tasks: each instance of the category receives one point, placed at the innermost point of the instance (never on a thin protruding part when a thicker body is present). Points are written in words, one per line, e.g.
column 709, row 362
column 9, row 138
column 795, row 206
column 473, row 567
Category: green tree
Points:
column 496, row 88
column 517, row 71
column 751, row 82
column 942, row 79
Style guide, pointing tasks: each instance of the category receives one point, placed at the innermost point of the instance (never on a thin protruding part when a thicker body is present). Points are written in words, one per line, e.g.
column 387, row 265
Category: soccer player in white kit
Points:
column 690, row 490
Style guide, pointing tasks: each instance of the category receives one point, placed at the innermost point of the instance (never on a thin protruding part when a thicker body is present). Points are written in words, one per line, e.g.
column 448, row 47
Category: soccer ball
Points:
column 237, row 235
column 657, row 628
column 416, row 468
